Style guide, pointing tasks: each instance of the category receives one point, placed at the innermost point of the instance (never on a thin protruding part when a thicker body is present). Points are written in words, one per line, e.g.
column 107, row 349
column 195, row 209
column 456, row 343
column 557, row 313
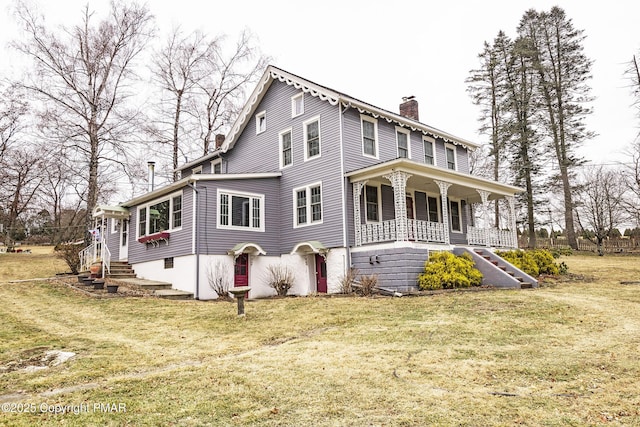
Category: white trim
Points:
column 281, row 148
column 455, row 157
column 305, row 124
column 406, row 132
column 215, row 162
column 309, row 217
column 261, row 122
column 294, row 100
column 458, row 202
column 343, row 183
column 365, row 118
column 251, row 197
column 147, row 206
column 378, row 188
column 197, row 170
column 427, row 139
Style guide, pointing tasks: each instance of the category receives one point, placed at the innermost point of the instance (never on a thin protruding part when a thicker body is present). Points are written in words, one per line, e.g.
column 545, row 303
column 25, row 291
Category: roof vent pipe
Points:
column 152, row 174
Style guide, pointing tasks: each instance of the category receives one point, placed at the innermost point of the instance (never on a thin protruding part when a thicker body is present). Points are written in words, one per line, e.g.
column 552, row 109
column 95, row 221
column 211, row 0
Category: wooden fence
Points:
column 610, row 245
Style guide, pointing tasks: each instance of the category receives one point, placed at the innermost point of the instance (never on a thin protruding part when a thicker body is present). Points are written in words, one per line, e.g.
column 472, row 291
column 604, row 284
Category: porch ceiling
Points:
column 423, row 177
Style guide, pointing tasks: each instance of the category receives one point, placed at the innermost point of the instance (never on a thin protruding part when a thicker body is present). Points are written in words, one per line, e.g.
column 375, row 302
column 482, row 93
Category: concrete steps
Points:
column 496, row 271
column 122, row 272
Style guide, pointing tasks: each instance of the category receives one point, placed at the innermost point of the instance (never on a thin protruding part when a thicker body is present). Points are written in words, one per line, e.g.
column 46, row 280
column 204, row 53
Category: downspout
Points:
column 197, row 238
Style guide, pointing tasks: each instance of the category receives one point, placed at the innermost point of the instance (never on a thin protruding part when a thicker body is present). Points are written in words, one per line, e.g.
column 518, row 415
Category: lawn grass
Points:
column 566, row 353
column 41, row 262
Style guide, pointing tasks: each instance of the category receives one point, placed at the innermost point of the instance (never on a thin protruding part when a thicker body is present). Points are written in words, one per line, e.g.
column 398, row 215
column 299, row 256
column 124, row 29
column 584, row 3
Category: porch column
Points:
column 444, row 187
column 484, row 196
column 357, row 222
column 511, row 202
column 398, row 181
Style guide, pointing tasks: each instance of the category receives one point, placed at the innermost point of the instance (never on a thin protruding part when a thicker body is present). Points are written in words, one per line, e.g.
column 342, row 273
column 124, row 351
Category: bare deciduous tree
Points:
column 81, row 76
column 599, row 207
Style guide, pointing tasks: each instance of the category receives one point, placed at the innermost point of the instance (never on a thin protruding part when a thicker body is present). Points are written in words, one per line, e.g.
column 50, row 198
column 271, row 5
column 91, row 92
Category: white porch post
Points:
column 484, row 196
column 511, row 202
column 398, row 181
column 444, row 186
column 357, row 222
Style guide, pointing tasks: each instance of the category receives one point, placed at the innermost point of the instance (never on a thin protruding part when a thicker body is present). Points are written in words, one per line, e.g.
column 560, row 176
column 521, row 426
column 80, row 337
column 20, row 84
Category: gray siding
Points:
column 387, row 145
column 179, row 241
column 396, row 268
column 113, row 239
column 219, row 241
column 260, row 153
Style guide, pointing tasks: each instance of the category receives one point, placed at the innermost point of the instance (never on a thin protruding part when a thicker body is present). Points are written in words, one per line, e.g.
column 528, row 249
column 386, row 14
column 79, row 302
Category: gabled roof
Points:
column 324, row 93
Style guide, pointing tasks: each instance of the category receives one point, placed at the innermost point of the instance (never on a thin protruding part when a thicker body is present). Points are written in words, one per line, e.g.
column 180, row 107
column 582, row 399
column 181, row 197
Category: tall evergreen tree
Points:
column 563, row 71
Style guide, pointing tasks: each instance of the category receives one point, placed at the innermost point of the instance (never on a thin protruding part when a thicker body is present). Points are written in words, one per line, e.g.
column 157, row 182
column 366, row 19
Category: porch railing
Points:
column 493, row 237
column 94, row 253
column 417, row 230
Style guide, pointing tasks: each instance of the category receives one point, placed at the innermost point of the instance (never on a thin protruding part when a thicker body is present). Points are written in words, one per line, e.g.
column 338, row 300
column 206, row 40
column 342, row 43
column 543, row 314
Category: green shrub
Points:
column 448, row 271
column 522, row 260
column 534, row 262
column 69, row 253
column 558, row 252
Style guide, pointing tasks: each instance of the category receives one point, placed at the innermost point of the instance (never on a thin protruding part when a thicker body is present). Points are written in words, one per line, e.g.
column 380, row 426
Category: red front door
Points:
column 321, row 274
column 241, row 271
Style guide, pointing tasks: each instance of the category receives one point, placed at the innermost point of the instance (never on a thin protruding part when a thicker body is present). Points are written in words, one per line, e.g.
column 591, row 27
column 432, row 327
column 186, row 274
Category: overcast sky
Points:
column 380, row 51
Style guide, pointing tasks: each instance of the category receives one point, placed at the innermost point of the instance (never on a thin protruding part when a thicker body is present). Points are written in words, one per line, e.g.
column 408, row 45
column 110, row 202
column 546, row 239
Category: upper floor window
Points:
column 216, row 166
column 308, row 205
column 372, row 208
column 369, row 136
column 451, row 156
column 402, row 138
column 242, row 211
column 286, row 149
column 161, row 215
column 297, row 105
column 261, row 122
column 312, row 138
column 197, row 170
column 429, row 157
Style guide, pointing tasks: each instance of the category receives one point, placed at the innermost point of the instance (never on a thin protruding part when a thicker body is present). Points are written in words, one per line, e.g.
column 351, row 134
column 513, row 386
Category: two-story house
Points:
column 311, row 178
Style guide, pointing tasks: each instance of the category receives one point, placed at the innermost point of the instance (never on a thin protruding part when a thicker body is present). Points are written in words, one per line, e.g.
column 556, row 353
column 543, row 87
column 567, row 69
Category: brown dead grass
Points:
column 563, row 354
column 40, row 263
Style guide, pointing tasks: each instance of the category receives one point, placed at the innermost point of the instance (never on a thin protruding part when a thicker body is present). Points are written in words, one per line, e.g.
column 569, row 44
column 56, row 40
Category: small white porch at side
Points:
column 99, row 249
column 403, row 200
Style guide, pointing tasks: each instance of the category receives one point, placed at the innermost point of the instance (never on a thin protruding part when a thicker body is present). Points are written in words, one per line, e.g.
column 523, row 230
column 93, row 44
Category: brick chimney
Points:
column 219, row 140
column 409, row 108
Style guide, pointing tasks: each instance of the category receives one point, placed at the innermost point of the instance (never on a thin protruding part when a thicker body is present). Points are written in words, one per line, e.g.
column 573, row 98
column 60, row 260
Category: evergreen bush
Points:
column 448, row 271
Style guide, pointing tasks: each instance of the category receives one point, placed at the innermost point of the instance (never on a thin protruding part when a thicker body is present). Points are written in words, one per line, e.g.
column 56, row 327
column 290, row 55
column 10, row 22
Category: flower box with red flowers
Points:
column 155, row 238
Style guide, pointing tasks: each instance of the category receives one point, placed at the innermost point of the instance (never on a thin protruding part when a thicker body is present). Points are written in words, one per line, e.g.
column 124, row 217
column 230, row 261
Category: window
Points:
column 125, row 232
column 451, row 157
column 177, row 211
column 402, row 138
column 196, row 171
column 308, row 205
column 371, row 199
column 312, row 138
column 286, row 150
column 454, row 208
column 216, row 166
column 168, row 263
column 261, row 122
column 429, row 158
column 114, row 225
column 142, row 222
column 297, row 105
column 432, row 209
column 160, row 215
column 240, row 210
column 369, row 136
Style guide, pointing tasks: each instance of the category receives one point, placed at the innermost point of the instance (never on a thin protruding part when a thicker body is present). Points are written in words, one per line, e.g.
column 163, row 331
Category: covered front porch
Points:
column 407, row 201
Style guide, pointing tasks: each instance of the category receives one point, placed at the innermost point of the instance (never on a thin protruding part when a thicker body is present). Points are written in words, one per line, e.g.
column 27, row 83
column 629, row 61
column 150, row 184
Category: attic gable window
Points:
column 261, row 122
column 369, row 136
column 216, row 166
column 312, row 138
column 297, row 105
